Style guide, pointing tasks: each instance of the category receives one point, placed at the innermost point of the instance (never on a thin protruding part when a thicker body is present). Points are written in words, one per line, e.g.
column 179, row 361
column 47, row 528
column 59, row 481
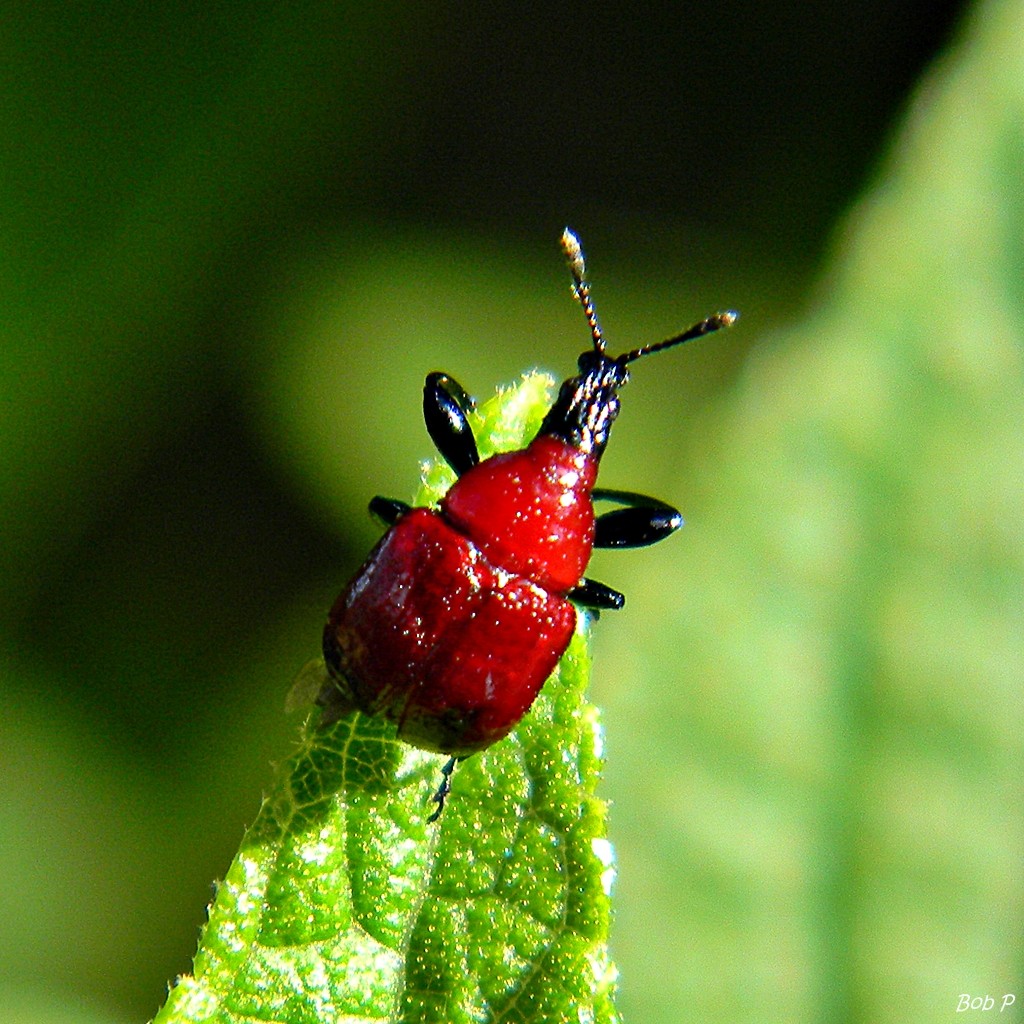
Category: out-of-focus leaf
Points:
column 834, row 827
column 134, row 165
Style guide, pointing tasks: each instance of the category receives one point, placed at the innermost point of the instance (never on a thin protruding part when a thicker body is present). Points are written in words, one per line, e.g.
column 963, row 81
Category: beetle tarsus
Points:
column 443, row 790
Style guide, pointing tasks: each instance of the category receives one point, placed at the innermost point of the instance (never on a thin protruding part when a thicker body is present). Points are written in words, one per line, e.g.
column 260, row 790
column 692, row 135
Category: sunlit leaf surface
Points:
column 344, row 903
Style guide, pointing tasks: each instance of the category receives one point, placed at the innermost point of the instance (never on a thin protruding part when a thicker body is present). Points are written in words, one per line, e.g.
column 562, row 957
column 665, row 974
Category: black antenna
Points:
column 581, row 289
column 707, row 326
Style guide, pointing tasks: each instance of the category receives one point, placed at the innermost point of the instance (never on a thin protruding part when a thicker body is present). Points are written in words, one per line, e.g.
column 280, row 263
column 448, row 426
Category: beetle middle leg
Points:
column 596, row 596
column 388, row 510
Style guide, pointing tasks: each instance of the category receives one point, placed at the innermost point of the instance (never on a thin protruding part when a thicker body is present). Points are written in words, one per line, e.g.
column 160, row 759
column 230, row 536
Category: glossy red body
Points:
column 458, row 616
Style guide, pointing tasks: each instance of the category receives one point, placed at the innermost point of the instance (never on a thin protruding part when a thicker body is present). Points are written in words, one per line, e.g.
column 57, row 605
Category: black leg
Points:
column 646, row 520
column 388, row 510
column 598, row 596
column 445, row 405
column 444, row 789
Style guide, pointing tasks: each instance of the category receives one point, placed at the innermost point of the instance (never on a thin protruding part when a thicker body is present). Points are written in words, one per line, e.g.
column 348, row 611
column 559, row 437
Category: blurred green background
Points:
column 234, row 240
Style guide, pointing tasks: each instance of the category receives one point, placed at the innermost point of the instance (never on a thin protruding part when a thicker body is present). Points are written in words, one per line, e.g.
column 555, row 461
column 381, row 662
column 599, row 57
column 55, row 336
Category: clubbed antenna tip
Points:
column 574, row 257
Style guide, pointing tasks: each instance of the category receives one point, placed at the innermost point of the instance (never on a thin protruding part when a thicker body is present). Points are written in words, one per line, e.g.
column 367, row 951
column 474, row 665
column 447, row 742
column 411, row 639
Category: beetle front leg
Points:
column 646, row 520
column 598, row 596
column 445, row 409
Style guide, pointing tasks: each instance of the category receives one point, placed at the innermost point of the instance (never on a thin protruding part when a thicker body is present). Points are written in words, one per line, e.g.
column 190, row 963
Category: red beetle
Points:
column 461, row 613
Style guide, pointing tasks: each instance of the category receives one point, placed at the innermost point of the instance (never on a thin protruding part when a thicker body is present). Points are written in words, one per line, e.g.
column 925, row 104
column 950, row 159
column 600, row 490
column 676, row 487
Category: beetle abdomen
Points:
column 435, row 638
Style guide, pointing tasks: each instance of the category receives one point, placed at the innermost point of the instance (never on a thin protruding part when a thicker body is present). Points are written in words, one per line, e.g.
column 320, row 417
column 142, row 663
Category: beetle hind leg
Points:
column 446, row 406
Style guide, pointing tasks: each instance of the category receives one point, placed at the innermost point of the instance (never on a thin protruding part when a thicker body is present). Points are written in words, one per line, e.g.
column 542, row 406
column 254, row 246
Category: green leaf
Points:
column 344, row 903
